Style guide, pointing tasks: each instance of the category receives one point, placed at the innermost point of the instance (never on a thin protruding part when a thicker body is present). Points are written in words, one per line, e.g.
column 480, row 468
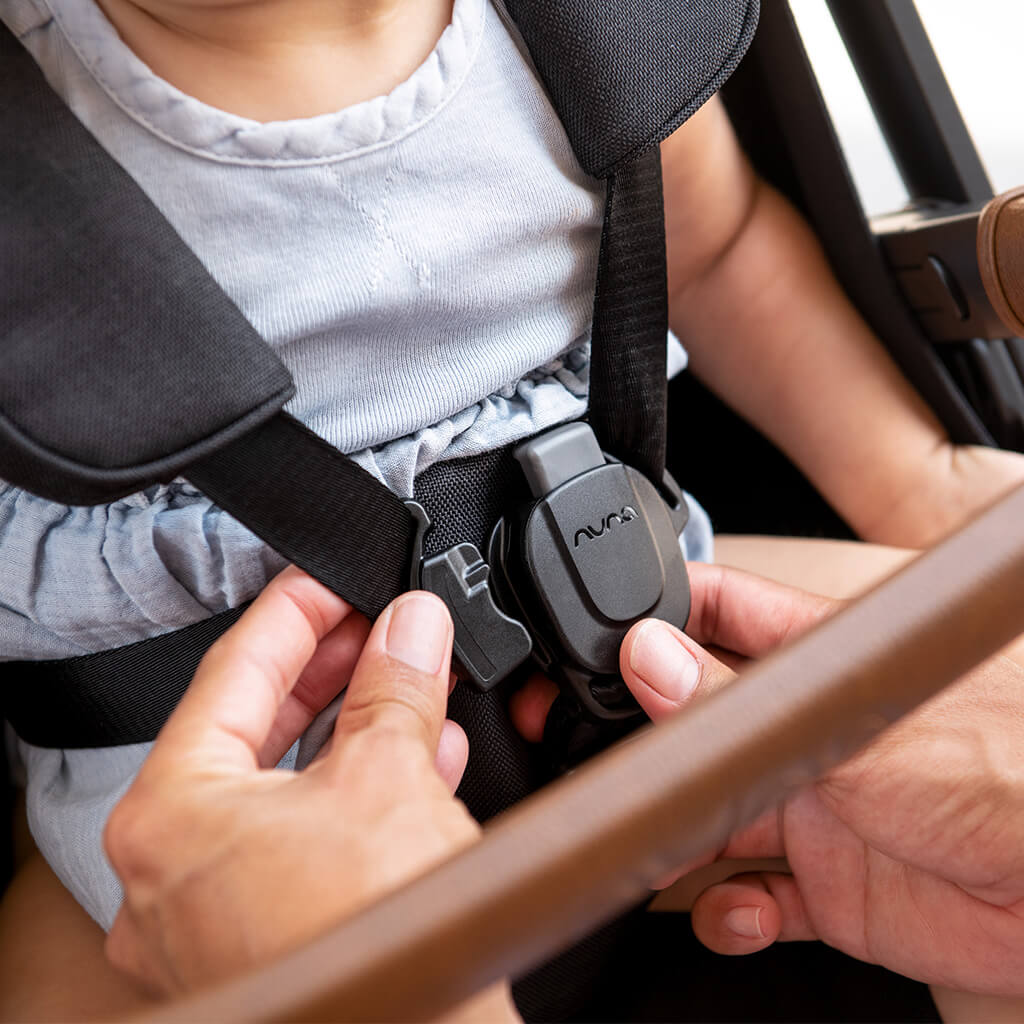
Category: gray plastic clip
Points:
column 488, row 644
column 557, row 456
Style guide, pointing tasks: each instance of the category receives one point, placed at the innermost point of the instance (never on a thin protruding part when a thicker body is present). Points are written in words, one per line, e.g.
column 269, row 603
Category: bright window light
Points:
column 878, row 182
column 979, row 47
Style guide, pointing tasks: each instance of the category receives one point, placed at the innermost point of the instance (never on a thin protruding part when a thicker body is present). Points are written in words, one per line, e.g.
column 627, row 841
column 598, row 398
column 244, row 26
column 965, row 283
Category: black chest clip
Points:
column 567, row 573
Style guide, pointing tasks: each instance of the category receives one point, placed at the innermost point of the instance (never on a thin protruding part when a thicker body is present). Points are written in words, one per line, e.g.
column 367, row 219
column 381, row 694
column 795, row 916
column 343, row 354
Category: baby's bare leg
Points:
column 52, row 965
column 971, row 1008
column 836, row 568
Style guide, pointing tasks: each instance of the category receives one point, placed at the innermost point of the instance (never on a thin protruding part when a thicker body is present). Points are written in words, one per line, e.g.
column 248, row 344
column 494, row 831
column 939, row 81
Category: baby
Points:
column 384, row 190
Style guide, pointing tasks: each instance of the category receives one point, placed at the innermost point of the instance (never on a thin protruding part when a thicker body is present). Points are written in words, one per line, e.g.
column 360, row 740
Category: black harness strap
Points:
column 125, row 695
column 316, row 507
column 628, row 383
column 108, row 699
column 623, row 76
column 152, row 349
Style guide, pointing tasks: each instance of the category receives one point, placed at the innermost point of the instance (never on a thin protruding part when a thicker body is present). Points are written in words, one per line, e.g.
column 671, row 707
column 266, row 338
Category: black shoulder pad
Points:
column 121, row 360
column 624, row 74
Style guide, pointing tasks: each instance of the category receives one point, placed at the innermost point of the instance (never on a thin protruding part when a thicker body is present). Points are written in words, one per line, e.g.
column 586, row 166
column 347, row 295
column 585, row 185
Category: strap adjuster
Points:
column 488, row 644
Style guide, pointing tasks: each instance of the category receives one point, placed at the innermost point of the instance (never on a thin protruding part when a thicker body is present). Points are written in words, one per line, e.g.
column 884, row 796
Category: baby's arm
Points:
column 770, row 330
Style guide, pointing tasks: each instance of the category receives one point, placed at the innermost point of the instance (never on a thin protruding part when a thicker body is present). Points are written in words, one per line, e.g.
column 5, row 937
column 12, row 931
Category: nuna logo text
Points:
column 588, row 532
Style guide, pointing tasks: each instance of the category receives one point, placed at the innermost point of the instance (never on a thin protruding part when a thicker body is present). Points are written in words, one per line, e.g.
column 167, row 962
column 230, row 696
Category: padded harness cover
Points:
column 122, row 360
column 624, row 74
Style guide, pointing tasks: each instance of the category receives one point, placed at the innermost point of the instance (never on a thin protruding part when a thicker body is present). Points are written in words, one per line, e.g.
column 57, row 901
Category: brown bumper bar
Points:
column 582, row 849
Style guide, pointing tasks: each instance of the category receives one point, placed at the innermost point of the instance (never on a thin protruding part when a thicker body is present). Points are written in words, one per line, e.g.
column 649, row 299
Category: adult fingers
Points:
column 450, row 761
column 228, row 711
column 749, row 912
column 326, row 675
column 452, row 754
column 761, row 839
column 528, row 707
column 735, row 611
column 748, row 614
column 400, row 684
column 664, row 669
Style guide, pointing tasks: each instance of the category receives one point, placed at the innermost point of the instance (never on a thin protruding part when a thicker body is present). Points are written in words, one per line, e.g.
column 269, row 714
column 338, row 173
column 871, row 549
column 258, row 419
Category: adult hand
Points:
column 227, row 862
column 911, row 854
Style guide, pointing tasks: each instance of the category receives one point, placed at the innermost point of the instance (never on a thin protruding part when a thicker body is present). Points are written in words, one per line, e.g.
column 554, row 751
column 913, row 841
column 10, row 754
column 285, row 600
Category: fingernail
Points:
column 663, row 663
column 745, row 922
column 418, row 633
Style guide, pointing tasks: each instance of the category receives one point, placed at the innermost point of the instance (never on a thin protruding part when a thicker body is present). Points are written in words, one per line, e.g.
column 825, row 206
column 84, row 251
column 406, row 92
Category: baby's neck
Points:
column 274, row 60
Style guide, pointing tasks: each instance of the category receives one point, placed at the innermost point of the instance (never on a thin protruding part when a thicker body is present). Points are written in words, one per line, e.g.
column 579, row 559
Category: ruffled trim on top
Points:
column 215, row 134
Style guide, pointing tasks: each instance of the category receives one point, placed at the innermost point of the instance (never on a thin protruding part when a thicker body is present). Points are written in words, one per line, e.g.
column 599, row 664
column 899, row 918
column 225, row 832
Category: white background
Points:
column 980, row 44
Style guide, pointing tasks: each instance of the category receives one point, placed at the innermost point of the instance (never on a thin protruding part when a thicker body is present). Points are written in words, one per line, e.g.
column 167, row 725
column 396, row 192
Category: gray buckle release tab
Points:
column 488, row 645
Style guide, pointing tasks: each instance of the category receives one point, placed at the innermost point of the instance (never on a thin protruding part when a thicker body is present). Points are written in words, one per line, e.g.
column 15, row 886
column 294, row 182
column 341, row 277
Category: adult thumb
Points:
column 665, row 670
column 400, row 683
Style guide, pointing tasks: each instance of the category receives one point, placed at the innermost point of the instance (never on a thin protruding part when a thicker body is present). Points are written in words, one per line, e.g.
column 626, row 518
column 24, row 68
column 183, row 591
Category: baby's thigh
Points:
column 837, row 568
column 971, row 1008
column 52, row 964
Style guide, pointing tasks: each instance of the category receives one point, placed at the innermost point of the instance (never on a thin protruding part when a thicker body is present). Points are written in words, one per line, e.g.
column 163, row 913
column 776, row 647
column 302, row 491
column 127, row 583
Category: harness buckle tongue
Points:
column 488, row 645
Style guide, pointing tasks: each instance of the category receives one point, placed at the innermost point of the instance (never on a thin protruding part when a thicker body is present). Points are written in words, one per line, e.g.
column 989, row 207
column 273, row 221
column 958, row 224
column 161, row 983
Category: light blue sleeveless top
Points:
column 424, row 264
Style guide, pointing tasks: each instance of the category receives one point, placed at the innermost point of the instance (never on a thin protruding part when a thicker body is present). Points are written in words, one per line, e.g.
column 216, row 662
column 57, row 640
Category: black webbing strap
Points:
column 333, row 519
column 316, row 507
column 125, row 695
column 628, row 385
column 108, row 699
